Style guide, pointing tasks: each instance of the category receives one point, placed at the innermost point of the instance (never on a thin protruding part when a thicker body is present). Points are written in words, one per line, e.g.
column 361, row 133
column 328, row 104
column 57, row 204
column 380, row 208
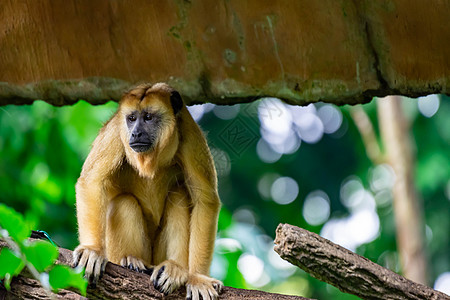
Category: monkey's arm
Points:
column 203, row 228
column 104, row 158
column 201, row 181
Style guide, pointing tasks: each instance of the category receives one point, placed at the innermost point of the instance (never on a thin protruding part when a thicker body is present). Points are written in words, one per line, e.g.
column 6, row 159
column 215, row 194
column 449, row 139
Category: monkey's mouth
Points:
column 140, row 147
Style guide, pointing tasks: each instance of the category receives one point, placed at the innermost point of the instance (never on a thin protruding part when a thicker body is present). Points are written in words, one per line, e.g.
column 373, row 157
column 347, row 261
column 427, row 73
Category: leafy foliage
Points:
column 11, row 266
column 37, row 256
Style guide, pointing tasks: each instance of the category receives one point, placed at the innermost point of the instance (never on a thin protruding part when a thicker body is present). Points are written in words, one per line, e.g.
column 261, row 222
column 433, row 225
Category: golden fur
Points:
column 158, row 207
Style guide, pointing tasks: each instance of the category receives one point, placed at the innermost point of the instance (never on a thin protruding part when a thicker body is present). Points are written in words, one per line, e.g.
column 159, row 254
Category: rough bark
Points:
column 118, row 283
column 349, row 272
column 340, row 51
column 410, row 228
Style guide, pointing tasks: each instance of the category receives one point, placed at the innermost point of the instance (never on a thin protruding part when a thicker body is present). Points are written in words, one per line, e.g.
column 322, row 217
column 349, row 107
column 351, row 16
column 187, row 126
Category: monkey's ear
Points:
column 176, row 101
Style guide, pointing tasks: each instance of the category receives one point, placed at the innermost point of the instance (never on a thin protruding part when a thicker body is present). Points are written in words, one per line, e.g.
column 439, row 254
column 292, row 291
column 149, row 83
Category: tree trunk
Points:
column 408, row 217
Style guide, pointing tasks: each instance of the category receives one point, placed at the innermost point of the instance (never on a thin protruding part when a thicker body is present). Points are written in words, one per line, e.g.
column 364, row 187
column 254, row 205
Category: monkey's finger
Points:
column 103, row 267
column 140, row 265
column 130, row 262
column 98, row 268
column 90, row 267
column 156, row 275
column 164, row 285
column 204, row 294
column 188, row 292
column 212, row 295
column 83, row 260
column 76, row 258
column 194, row 293
column 218, row 286
column 157, row 283
column 123, row 262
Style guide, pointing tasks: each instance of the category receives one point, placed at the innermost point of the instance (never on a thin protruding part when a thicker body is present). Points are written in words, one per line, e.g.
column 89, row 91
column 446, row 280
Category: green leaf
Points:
column 13, row 222
column 10, row 263
column 63, row 276
column 41, row 254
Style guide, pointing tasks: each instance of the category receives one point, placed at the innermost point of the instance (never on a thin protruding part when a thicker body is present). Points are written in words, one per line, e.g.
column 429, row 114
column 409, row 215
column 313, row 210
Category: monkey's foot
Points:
column 91, row 260
column 168, row 276
column 133, row 263
column 203, row 287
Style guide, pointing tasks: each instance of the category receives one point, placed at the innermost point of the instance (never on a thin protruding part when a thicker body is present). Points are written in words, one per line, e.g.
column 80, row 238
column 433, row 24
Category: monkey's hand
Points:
column 169, row 276
column 203, row 287
column 91, row 260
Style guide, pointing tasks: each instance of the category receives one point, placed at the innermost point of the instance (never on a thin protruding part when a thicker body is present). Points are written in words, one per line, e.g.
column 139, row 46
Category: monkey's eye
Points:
column 148, row 117
column 131, row 118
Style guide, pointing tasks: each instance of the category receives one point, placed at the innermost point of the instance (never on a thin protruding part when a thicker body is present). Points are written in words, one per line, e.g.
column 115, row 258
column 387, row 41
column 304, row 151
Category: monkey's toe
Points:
column 133, row 263
column 168, row 276
column 203, row 287
column 91, row 260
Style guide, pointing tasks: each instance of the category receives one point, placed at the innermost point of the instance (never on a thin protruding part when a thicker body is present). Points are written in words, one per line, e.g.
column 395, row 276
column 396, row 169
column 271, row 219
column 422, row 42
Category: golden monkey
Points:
column 147, row 195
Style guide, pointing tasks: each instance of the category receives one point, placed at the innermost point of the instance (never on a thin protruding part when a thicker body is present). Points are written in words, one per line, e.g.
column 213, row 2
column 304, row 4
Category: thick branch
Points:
column 118, row 283
column 344, row 269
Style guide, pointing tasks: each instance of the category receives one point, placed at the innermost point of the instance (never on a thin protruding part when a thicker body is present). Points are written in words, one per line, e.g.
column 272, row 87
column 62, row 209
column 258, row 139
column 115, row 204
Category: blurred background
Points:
column 306, row 166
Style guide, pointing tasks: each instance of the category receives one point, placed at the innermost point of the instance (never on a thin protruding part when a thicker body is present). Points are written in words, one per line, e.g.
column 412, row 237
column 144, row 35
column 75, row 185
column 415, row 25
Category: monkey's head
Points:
column 149, row 113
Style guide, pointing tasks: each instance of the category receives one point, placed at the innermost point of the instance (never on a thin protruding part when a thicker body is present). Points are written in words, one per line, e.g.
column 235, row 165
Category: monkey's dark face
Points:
column 144, row 128
column 150, row 113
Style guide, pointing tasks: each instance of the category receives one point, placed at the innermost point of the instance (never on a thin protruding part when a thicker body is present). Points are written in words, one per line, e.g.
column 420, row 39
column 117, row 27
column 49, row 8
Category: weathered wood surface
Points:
column 119, row 283
column 344, row 269
column 339, row 51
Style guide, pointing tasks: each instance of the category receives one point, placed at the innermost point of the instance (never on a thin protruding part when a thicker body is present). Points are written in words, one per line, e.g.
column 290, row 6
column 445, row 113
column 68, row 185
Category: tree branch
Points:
column 117, row 283
column 368, row 136
column 349, row 272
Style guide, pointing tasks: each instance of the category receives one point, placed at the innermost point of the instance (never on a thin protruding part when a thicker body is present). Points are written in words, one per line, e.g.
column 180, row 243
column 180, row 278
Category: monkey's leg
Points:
column 126, row 237
column 171, row 251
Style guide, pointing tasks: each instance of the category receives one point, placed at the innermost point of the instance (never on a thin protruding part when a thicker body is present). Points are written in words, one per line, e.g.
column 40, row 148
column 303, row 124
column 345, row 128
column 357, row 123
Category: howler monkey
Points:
column 147, row 195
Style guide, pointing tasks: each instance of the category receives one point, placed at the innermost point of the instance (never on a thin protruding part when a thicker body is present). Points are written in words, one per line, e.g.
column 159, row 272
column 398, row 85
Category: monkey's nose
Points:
column 136, row 135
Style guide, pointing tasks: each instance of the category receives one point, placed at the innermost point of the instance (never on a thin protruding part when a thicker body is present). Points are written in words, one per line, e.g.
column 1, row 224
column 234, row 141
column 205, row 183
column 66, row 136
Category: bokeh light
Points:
column 442, row 283
column 316, row 208
column 265, row 184
column 283, row 127
column 251, row 267
column 266, row 153
column 226, row 112
column 362, row 225
column 331, row 118
column 381, row 177
column 244, row 215
column 284, row 190
column 197, row 111
column 428, row 105
column 309, row 128
column 227, row 245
